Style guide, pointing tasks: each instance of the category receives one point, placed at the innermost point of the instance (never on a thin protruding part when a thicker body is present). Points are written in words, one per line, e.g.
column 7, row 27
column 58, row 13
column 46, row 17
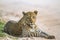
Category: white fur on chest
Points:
column 33, row 28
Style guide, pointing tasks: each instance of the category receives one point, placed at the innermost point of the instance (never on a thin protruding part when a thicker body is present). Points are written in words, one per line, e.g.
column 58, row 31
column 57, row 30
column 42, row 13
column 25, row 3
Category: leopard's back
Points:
column 12, row 28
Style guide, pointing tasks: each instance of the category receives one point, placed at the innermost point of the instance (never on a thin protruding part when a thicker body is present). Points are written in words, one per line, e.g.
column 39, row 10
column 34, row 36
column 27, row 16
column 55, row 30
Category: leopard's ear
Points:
column 24, row 13
column 36, row 12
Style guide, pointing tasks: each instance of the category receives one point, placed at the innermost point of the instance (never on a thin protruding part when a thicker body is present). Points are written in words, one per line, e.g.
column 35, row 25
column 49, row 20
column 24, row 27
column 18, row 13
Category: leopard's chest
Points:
column 27, row 30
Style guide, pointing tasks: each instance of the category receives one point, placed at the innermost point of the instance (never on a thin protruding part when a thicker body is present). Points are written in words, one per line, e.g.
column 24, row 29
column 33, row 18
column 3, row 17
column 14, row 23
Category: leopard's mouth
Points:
column 31, row 25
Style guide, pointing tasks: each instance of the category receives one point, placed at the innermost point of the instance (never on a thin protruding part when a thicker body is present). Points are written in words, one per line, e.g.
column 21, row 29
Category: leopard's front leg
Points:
column 45, row 35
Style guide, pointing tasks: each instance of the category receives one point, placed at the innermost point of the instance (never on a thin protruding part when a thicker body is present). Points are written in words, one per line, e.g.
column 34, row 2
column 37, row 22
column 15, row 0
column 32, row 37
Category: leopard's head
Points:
column 30, row 17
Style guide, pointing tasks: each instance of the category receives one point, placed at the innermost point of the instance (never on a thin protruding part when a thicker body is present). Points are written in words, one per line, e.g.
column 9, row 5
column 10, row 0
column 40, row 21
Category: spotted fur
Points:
column 26, row 27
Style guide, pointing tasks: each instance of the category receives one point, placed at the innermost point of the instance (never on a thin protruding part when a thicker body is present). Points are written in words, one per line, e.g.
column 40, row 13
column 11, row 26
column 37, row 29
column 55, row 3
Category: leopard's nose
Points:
column 31, row 23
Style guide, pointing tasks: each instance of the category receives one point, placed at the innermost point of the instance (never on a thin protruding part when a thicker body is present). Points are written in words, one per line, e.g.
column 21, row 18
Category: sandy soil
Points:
column 48, row 23
column 48, row 18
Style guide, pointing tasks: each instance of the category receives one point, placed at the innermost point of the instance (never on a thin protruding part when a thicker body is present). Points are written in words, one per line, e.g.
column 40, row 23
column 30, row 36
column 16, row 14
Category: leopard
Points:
column 26, row 27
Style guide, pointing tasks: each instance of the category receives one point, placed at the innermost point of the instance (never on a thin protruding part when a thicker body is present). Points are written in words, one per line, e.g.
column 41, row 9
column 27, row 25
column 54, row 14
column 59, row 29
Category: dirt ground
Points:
column 48, row 23
column 48, row 18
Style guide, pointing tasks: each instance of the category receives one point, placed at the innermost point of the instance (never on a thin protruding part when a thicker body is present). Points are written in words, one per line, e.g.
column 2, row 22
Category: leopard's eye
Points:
column 34, row 17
